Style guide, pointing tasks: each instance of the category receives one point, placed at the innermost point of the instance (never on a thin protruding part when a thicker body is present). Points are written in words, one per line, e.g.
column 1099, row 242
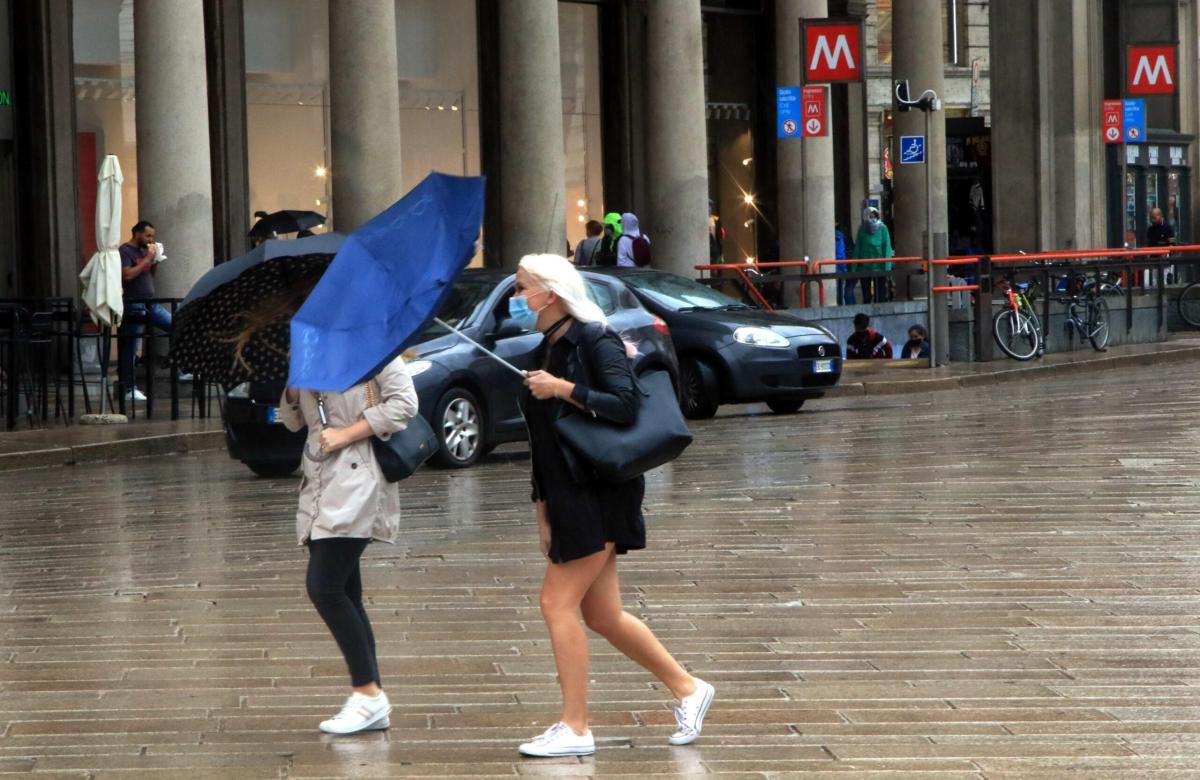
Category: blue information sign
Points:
column 1135, row 121
column 912, row 149
column 787, row 108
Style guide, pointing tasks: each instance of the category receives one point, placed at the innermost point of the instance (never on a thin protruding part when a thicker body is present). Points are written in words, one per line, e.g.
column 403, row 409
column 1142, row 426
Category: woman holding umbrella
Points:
column 345, row 504
column 584, row 526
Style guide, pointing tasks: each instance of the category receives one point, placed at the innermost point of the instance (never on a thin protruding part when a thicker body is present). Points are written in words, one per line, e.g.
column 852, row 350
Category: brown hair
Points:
column 272, row 310
column 594, row 228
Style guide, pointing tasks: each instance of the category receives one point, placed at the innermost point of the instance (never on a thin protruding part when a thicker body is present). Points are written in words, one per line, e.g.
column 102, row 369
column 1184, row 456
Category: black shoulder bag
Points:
column 401, row 454
column 619, row 453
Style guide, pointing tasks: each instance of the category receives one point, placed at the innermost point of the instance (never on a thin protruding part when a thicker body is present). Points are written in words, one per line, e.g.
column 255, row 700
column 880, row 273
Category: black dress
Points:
column 583, row 516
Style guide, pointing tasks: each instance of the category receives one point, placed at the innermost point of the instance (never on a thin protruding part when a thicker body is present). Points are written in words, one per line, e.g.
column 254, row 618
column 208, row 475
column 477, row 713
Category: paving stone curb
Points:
column 123, row 449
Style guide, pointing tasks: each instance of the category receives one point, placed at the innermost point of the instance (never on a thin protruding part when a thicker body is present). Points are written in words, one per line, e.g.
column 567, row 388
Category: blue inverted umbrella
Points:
column 386, row 284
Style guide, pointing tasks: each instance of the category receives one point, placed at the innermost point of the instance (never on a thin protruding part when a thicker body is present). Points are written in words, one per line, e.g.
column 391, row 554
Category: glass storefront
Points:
column 104, row 107
column 287, row 100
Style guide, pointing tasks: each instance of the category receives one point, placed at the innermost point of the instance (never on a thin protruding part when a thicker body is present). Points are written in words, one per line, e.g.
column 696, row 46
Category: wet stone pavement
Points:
column 990, row 583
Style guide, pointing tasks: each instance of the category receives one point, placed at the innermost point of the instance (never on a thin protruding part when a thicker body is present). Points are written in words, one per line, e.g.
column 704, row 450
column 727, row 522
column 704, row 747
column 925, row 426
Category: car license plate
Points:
column 822, row 366
column 272, row 414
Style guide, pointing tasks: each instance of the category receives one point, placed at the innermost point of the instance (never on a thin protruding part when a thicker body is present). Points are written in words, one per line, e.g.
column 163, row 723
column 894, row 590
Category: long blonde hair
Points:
column 556, row 274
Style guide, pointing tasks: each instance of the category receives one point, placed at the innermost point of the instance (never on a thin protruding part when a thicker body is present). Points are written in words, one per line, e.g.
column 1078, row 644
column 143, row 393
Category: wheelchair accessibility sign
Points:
column 912, row 149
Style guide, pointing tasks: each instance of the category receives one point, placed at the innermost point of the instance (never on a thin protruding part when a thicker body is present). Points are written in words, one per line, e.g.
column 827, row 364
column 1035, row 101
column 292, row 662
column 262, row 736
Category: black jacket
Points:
column 602, row 373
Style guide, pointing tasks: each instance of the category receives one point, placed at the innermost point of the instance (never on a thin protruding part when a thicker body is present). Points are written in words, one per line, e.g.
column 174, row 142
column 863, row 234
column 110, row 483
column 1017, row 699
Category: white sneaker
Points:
column 136, row 395
column 689, row 715
column 360, row 713
column 559, row 740
column 185, row 377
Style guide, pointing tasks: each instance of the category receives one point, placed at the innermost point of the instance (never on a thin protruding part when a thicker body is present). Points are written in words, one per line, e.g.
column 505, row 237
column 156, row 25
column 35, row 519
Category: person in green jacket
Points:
column 873, row 241
column 607, row 254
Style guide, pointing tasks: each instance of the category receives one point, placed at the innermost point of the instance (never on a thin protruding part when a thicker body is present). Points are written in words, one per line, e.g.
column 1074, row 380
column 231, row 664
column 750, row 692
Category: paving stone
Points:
column 1014, row 596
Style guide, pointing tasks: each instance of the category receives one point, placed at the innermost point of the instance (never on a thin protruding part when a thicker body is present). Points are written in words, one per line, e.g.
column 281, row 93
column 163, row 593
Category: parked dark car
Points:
column 730, row 352
column 468, row 398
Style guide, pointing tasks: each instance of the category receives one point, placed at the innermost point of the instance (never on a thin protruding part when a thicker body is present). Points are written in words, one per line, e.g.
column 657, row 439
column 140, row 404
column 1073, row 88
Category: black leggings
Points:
column 334, row 585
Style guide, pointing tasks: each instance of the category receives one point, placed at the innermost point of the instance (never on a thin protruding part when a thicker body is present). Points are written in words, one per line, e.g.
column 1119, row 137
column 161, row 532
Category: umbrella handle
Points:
column 322, row 456
column 480, row 347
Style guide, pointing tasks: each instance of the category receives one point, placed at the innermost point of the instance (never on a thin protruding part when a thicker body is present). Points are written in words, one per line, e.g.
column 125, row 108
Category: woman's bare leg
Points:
column 563, row 589
column 603, row 613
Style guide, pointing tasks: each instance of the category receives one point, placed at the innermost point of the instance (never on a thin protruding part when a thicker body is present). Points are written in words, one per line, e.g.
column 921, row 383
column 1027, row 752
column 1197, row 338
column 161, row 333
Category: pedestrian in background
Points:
column 633, row 247
column 866, row 343
column 874, row 241
column 584, row 525
column 716, row 235
column 587, row 248
column 608, row 244
column 917, row 345
column 139, row 255
column 845, row 289
column 1160, row 232
column 345, row 504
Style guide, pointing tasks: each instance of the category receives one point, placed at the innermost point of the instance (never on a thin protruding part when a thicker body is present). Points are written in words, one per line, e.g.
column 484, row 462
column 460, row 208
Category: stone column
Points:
column 227, row 126
column 676, row 136
column 918, row 55
column 1048, row 169
column 46, row 173
column 364, row 110
column 532, row 161
column 174, row 173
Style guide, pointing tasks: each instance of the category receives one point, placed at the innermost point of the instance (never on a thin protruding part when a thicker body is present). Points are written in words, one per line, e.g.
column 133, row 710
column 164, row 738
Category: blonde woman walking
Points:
column 584, row 526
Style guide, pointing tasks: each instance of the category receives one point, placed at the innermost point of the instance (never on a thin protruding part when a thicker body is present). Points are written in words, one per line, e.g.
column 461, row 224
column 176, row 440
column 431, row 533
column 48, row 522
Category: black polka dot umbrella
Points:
column 233, row 326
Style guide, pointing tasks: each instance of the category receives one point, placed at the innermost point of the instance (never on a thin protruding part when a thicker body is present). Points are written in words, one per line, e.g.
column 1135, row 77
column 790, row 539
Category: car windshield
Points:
column 460, row 306
column 680, row 294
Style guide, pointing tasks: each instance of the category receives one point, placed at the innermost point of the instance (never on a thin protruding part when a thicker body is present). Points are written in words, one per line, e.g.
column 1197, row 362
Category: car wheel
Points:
column 784, row 405
column 458, row 421
column 273, row 469
column 698, row 396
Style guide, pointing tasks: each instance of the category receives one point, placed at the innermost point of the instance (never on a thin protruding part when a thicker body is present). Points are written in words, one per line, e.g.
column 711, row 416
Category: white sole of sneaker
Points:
column 536, row 753
column 375, row 724
column 709, row 695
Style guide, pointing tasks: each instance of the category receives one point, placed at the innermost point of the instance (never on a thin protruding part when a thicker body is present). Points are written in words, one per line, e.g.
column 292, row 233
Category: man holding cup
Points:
column 138, row 257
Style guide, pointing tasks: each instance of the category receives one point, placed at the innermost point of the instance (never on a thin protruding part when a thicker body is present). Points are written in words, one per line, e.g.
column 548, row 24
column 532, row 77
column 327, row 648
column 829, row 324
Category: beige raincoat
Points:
column 347, row 495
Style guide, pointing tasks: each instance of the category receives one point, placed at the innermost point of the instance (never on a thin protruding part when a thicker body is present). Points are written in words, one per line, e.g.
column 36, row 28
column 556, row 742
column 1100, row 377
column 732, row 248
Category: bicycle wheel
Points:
column 1189, row 304
column 1016, row 334
column 1098, row 324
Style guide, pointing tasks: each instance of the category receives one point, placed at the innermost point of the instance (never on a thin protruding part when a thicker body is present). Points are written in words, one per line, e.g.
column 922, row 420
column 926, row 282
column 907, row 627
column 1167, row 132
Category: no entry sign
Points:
column 813, row 103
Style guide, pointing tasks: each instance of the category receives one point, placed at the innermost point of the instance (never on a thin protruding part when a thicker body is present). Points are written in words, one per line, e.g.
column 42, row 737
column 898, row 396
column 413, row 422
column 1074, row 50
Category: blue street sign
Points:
column 787, row 109
column 912, row 149
column 1135, row 121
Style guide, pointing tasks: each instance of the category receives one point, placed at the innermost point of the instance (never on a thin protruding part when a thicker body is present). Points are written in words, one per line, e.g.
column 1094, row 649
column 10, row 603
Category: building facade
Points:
column 217, row 109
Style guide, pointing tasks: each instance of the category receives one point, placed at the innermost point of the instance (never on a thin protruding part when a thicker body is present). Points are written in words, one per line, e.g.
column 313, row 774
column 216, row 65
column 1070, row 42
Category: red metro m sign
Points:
column 832, row 50
column 1150, row 70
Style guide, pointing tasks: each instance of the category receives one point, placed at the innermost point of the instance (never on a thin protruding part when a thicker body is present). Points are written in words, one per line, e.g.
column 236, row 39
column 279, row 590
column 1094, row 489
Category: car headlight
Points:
column 759, row 337
column 418, row 367
column 241, row 391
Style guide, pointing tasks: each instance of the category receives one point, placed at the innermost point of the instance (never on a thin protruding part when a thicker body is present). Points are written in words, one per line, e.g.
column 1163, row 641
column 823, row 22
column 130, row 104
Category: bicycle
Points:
column 1016, row 327
column 1189, row 304
column 1095, row 327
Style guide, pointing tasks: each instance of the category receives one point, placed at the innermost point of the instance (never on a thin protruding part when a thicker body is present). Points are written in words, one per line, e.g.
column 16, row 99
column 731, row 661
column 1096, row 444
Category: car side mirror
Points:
column 508, row 328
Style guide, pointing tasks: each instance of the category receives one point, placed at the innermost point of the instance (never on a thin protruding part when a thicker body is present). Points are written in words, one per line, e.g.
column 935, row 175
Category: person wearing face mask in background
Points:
column 873, row 241
column 917, row 345
column 584, row 526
